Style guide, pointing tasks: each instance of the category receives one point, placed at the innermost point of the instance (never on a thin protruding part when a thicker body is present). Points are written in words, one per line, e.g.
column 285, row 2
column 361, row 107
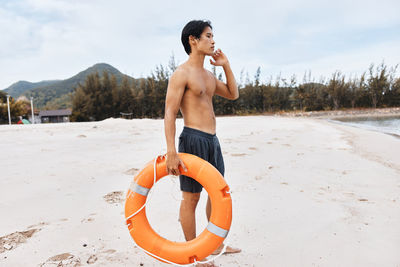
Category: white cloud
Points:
column 48, row 39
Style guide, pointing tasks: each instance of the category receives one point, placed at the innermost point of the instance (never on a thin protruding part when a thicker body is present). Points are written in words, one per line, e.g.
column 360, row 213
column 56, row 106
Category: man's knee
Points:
column 190, row 198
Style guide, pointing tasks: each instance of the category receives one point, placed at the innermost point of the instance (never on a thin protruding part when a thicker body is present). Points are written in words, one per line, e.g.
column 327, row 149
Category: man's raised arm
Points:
column 230, row 89
column 176, row 88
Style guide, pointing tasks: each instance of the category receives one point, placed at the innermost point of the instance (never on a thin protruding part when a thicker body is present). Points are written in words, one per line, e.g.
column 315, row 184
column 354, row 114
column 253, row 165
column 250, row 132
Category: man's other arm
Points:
column 175, row 90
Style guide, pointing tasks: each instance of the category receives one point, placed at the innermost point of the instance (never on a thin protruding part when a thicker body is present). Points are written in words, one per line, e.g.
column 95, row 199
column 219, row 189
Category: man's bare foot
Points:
column 228, row 250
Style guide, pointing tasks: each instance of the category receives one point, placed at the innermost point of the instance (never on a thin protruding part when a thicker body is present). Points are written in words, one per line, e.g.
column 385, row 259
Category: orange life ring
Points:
column 180, row 252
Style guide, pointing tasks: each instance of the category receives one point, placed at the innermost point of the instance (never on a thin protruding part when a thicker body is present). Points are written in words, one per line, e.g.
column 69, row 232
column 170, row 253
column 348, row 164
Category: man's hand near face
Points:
column 220, row 58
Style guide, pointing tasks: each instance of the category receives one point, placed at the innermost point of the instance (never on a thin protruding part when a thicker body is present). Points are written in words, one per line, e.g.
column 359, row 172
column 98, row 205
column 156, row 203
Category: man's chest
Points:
column 201, row 85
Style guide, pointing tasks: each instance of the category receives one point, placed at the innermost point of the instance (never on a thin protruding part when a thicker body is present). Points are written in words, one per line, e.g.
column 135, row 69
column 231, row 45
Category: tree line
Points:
column 101, row 97
column 17, row 108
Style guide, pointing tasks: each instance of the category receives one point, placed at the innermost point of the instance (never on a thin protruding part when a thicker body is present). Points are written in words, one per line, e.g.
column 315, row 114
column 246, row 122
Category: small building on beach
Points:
column 54, row 116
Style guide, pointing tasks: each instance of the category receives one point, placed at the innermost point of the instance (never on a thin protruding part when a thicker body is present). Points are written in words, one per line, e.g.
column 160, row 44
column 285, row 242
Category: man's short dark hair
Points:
column 194, row 28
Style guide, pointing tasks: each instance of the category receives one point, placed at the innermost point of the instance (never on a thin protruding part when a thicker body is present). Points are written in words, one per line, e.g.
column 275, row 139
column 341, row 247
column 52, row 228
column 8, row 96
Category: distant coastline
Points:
column 345, row 113
column 355, row 117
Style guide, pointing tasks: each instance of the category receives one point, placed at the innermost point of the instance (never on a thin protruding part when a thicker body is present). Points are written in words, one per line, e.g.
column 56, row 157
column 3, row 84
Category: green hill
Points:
column 18, row 88
column 57, row 94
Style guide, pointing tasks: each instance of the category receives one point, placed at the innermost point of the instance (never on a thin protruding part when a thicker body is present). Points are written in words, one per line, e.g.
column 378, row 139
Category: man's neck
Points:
column 196, row 60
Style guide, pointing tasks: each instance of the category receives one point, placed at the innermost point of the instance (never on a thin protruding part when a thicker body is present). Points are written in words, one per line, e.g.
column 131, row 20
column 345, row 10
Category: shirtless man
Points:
column 191, row 89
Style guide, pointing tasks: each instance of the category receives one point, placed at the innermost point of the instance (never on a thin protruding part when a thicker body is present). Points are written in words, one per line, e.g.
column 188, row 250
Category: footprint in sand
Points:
column 114, row 197
column 131, row 171
column 81, row 136
column 62, row 260
column 11, row 241
column 238, row 154
column 252, row 148
column 38, row 225
column 92, row 259
column 105, row 254
column 86, row 220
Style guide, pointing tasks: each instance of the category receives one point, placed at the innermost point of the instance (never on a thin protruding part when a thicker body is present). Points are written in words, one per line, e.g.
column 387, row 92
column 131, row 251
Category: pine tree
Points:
column 377, row 83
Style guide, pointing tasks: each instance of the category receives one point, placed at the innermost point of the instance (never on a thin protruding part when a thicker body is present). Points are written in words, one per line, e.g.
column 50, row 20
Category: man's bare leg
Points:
column 228, row 249
column 187, row 214
column 187, row 217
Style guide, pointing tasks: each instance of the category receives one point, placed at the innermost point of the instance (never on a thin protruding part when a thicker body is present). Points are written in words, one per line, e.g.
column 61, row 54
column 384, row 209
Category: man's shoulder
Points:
column 180, row 76
column 181, row 72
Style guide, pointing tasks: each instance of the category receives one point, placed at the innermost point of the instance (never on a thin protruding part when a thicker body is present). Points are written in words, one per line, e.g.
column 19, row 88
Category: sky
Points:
column 56, row 39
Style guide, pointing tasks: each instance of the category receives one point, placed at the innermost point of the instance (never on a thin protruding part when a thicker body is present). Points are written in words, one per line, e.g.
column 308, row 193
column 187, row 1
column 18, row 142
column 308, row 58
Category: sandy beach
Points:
column 306, row 192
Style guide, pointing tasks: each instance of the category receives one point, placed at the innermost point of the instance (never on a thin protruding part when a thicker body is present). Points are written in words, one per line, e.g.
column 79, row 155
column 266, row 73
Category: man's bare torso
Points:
column 196, row 105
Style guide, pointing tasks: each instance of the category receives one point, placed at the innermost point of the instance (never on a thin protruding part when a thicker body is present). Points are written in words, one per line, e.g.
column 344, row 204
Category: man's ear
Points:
column 192, row 40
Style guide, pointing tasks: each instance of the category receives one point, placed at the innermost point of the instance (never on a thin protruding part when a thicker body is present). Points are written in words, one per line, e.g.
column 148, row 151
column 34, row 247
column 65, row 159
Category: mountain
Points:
column 57, row 94
column 18, row 88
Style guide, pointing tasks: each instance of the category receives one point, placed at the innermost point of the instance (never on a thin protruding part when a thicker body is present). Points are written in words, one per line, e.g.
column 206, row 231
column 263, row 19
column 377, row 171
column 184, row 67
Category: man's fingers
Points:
column 174, row 171
column 170, row 171
column 183, row 166
column 212, row 62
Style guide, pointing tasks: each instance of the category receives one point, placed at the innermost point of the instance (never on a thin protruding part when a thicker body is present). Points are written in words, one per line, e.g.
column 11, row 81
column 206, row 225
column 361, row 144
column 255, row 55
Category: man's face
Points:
column 206, row 42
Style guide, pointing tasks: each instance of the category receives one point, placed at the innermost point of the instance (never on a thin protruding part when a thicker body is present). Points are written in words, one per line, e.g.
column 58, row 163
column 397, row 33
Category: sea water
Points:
column 389, row 125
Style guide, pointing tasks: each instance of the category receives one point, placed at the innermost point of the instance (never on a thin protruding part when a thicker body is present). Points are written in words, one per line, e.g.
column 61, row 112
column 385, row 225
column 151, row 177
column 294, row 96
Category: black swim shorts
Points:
column 203, row 145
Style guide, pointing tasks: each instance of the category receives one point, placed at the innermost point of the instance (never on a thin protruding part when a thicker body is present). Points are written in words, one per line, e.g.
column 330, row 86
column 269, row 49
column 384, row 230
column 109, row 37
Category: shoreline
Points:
column 345, row 117
column 346, row 113
column 339, row 121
